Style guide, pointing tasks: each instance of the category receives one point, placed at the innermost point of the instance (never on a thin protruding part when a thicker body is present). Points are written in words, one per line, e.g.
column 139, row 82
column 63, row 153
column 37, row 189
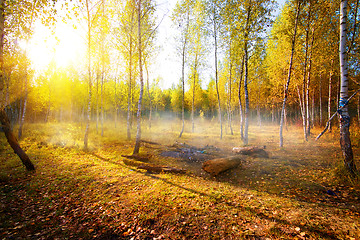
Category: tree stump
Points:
column 218, row 165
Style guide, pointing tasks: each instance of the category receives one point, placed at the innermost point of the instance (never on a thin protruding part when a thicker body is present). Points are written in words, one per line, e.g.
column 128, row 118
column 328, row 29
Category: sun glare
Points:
column 63, row 45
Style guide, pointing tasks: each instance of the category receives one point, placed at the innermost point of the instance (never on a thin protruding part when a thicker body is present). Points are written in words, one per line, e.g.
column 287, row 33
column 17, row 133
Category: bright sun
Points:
column 63, row 45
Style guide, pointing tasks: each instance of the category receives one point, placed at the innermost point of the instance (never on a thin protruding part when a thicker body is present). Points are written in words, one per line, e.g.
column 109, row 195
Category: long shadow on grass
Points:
column 217, row 200
column 154, row 177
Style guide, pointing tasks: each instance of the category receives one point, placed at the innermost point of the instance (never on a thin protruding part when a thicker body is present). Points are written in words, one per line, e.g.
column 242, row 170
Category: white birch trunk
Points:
column 138, row 115
column 345, row 142
column 87, row 129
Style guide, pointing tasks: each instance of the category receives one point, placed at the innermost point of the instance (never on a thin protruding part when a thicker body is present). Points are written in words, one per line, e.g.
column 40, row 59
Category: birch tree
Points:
column 345, row 141
column 252, row 19
column 91, row 11
column 298, row 8
column 197, row 53
column 181, row 19
column 214, row 8
column 146, row 32
column 125, row 42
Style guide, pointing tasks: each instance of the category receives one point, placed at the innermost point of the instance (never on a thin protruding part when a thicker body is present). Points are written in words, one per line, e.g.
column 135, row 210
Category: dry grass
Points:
column 297, row 193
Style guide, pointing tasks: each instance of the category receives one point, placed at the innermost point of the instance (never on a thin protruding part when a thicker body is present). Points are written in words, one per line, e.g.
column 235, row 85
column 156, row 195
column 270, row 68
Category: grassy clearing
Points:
column 297, row 193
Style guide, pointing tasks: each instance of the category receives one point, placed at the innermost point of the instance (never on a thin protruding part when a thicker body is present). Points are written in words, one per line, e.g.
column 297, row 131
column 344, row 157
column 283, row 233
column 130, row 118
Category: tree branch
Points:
column 337, row 111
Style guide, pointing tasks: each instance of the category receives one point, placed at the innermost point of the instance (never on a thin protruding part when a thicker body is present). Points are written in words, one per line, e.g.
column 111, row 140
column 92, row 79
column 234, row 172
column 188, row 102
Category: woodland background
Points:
column 108, row 80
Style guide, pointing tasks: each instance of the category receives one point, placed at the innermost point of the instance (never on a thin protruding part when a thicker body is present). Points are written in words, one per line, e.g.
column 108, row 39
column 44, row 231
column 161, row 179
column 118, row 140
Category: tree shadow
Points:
column 216, row 200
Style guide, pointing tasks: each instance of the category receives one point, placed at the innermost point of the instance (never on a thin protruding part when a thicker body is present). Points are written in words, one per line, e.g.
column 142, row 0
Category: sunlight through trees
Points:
column 240, row 65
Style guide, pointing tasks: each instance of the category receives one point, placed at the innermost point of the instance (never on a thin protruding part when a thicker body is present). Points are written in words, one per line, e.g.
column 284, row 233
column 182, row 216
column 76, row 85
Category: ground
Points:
column 300, row 192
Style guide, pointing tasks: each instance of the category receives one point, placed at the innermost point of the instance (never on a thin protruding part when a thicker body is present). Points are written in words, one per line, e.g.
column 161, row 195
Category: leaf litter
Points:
column 294, row 194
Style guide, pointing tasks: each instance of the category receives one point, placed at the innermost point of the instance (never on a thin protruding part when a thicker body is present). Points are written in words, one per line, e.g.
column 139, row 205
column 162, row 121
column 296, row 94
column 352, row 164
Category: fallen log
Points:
column 253, row 151
column 218, row 165
column 152, row 168
column 132, row 163
column 160, row 169
column 150, row 142
column 137, row 157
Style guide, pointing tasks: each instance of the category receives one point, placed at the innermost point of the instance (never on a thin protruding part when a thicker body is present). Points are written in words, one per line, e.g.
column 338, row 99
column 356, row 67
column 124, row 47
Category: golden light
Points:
column 63, row 45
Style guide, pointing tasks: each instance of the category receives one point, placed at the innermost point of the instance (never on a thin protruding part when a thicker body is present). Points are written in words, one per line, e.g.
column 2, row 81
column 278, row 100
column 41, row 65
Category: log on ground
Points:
column 218, row 165
column 253, row 151
column 152, row 168
column 138, row 157
column 160, row 169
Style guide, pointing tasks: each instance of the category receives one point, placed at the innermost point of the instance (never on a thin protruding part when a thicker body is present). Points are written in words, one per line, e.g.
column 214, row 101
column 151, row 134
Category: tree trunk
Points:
column 128, row 119
column 116, row 105
column 320, row 102
column 230, row 91
column 13, row 142
column 48, row 108
column 183, row 92
column 102, row 103
column 97, row 101
column 311, row 123
column 289, row 75
column 305, row 85
column 240, row 102
column 216, row 71
column 183, row 77
column 5, row 123
column 102, row 72
column 302, row 110
column 246, row 93
column 88, row 115
column 138, row 115
column 148, row 90
column 329, row 97
column 358, row 110
column 23, row 113
column 193, row 101
column 246, row 127
column 258, row 108
column 345, row 142
column 308, row 123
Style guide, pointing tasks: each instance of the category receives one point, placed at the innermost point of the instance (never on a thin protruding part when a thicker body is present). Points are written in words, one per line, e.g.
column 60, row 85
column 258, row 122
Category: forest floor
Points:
column 299, row 192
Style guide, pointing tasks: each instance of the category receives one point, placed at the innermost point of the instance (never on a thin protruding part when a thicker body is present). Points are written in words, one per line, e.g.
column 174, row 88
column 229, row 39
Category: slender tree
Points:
column 196, row 53
column 124, row 33
column 298, row 7
column 241, row 71
column 181, row 19
column 146, row 32
column 92, row 10
column 215, row 19
column 345, row 142
column 138, row 115
column 329, row 96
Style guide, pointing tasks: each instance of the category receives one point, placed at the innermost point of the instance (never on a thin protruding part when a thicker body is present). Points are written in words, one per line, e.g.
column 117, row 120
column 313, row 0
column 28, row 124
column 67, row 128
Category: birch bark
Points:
column 345, row 142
